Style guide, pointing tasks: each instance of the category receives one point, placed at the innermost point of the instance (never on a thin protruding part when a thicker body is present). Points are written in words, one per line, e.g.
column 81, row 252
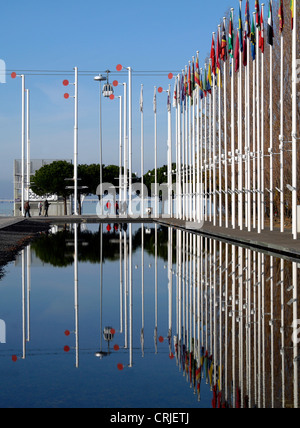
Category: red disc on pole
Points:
column 112, row 97
column 66, row 83
column 67, row 333
column 67, row 96
column 120, row 367
column 116, row 347
column 115, row 83
column 14, row 358
column 67, row 349
column 119, row 67
column 170, row 76
column 171, row 356
column 113, row 331
column 161, row 339
column 13, row 75
column 160, row 90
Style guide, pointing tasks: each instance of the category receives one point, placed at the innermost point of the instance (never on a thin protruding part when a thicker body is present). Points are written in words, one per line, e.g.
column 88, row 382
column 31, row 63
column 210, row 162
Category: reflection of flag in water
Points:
column 214, row 400
column 211, row 369
column 198, row 379
column 202, row 357
column 206, row 364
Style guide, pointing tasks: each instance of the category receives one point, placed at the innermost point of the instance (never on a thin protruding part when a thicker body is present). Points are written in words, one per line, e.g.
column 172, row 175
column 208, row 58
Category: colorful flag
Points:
column 209, row 80
column 197, row 72
column 253, row 40
column 292, row 14
column 224, row 44
column 213, row 57
column 270, row 33
column 257, row 14
column 190, row 82
column 237, row 54
column 240, row 29
column 204, row 83
column 231, row 36
column 175, row 96
column 247, row 19
column 281, row 16
column 261, row 33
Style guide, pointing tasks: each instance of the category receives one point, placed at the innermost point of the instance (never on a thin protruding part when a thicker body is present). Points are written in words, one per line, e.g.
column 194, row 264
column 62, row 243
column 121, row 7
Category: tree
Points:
column 51, row 179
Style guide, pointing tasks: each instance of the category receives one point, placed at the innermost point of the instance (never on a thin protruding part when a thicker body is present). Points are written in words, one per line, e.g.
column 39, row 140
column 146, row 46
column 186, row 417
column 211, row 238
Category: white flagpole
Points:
column 294, row 124
column 220, row 139
column 28, row 145
column 233, row 199
column 125, row 188
column 23, row 148
column 262, row 136
column 186, row 157
column 214, row 145
column 155, row 152
column 248, row 187
column 76, row 145
column 205, row 154
column 271, row 141
column 190, row 156
column 281, row 140
column 201, row 155
column 258, row 136
column 170, row 153
column 142, row 149
column 254, row 138
column 240, row 151
column 225, row 141
column 179, row 193
column 130, row 135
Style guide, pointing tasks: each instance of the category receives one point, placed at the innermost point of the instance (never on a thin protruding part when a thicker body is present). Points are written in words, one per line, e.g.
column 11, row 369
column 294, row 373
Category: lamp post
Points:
column 100, row 79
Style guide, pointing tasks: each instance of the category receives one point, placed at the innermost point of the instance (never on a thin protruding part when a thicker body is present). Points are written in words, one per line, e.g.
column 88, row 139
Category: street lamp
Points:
column 100, row 79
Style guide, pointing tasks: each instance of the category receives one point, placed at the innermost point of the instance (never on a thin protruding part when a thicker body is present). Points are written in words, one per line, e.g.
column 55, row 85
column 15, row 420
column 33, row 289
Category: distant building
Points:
column 57, row 205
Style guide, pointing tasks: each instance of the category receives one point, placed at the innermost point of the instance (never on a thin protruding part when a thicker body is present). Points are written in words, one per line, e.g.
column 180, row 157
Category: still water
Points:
column 142, row 316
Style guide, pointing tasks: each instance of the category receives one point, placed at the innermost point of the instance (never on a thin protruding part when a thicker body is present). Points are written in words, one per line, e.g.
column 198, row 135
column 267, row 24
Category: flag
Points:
column 231, row 37
column 257, row 14
column 175, row 96
column 197, row 72
column 270, row 34
column 154, row 101
column 281, row 16
column 237, row 54
column 204, row 83
column 169, row 101
column 193, row 86
column 240, row 29
column 253, row 40
column 209, row 80
column 224, row 44
column 261, row 33
column 189, row 82
column 142, row 100
column 247, row 19
column 201, row 85
column 213, row 57
column 292, row 14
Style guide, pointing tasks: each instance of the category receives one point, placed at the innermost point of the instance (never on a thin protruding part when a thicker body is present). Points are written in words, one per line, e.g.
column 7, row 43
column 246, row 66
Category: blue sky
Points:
column 94, row 35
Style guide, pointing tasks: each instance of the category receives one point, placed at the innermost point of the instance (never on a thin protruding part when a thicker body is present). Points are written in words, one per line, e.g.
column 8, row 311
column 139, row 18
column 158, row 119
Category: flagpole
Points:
column 258, row 134
column 281, row 139
column 240, row 152
column 28, row 145
column 155, row 156
column 220, row 140
column 201, row 155
column 225, row 138
column 76, row 145
column 271, row 138
column 179, row 195
column 210, row 155
column 214, row 146
column 248, row 189
column 262, row 130
column 205, row 152
column 23, row 148
column 142, row 150
column 294, row 122
column 194, row 125
column 254, row 132
column 233, row 199
column 170, row 152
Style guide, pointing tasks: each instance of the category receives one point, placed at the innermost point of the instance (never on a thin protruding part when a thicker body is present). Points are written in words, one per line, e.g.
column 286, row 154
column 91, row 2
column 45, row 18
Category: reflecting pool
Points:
column 144, row 316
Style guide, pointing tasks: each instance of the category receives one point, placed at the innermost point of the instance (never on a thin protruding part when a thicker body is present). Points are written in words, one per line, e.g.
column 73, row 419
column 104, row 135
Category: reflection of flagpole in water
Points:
column 272, row 326
column 130, row 296
column 76, row 292
column 143, row 292
column 155, row 330
column 28, row 290
column 121, row 279
column 295, row 340
column 282, row 331
column 233, row 318
column 23, row 305
column 170, row 279
column 126, row 289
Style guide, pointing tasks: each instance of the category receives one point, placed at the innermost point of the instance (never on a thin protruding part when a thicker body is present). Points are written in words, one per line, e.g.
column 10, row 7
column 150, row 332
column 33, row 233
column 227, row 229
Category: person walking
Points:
column 46, row 207
column 27, row 209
